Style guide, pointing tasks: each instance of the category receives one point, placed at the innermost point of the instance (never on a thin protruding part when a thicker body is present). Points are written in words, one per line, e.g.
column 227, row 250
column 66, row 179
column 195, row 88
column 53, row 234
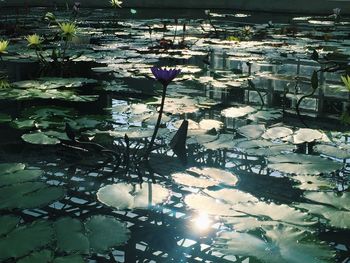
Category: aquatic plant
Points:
column 68, row 30
column 3, row 46
column 346, row 81
column 116, row 3
column 165, row 77
column 34, row 41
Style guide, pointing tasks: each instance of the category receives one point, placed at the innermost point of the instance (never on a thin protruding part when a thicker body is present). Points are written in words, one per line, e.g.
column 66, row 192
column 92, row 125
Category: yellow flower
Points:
column 116, row 3
column 3, row 46
column 68, row 30
column 346, row 81
column 34, row 40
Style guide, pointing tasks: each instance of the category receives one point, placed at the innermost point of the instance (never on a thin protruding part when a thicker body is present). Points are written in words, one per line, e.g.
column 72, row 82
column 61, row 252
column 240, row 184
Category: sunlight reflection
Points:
column 202, row 222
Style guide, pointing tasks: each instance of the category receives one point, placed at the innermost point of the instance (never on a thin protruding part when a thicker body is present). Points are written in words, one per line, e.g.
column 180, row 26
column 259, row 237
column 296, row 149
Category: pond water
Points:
column 258, row 173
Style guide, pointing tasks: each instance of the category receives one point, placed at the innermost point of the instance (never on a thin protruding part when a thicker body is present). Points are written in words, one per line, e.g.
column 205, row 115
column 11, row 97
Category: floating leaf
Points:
column 126, row 196
column 341, row 201
column 105, row 232
column 307, row 135
column 8, row 223
column 309, row 182
column 6, row 168
column 29, row 195
column 40, row 138
column 252, row 131
column 224, row 141
column 69, row 259
column 231, row 196
column 44, row 256
column 337, row 152
column 209, row 205
column 25, row 239
column 286, row 244
column 237, row 112
column 337, row 218
column 302, row 164
column 277, row 133
column 280, row 213
column 20, row 176
column 221, row 176
column 208, row 125
column 189, row 180
column 70, row 237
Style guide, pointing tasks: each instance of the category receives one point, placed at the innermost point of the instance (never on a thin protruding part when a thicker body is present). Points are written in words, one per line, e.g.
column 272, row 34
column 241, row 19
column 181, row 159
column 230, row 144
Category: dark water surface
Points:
column 262, row 182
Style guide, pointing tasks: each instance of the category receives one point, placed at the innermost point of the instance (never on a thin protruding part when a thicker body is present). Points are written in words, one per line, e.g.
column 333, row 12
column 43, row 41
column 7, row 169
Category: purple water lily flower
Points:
column 165, row 76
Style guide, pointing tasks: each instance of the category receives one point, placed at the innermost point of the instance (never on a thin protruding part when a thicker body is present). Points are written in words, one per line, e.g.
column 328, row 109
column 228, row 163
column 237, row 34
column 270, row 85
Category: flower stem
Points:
column 156, row 128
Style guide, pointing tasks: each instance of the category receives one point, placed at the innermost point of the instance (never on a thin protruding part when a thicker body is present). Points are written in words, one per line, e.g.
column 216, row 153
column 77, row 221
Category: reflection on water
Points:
column 202, row 222
column 235, row 152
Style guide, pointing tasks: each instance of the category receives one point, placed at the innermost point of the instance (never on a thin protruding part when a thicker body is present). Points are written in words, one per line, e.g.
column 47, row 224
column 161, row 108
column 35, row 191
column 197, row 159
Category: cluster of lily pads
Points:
column 270, row 230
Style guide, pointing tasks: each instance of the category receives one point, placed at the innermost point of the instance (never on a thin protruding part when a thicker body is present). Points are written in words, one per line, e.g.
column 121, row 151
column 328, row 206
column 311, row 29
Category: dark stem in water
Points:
column 156, row 128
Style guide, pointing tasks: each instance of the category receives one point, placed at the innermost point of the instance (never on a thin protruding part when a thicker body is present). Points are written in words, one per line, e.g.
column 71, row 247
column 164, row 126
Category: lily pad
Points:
column 311, row 183
column 40, row 138
column 29, row 195
column 192, row 181
column 281, row 213
column 237, row 112
column 26, row 239
column 334, row 151
column 231, row 196
column 20, row 176
column 70, row 237
column 286, row 244
column 44, row 256
column 277, row 133
column 302, row 164
column 209, row 205
column 221, row 176
column 252, row 131
column 105, row 232
column 125, row 196
column 8, row 223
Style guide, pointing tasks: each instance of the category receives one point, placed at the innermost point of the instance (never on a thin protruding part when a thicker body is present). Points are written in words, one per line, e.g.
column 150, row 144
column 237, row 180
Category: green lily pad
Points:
column 69, row 259
column 44, row 256
column 334, row 151
column 25, row 239
column 29, row 195
column 6, row 168
column 105, row 232
column 70, row 237
column 20, row 176
column 302, row 164
column 40, row 138
column 8, row 223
